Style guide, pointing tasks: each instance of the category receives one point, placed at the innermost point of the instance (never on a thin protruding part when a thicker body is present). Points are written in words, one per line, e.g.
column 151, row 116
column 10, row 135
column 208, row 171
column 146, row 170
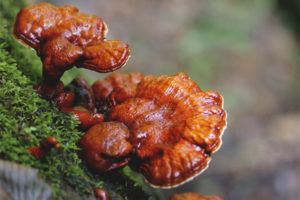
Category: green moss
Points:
column 26, row 120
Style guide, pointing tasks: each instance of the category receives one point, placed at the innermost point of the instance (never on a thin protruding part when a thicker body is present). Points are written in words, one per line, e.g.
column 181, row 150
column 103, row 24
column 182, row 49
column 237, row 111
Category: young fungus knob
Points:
column 64, row 37
column 78, row 99
column 105, row 146
column 39, row 152
column 115, row 88
column 84, row 116
column 83, row 94
column 101, row 194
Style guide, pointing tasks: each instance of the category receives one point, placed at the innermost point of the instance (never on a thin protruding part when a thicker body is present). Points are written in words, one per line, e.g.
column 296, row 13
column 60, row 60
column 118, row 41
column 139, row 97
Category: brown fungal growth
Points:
column 101, row 194
column 84, row 116
column 83, row 94
column 65, row 99
column 77, row 93
column 116, row 88
column 105, row 146
column 193, row 196
column 64, row 37
column 78, row 100
column 40, row 151
column 174, row 126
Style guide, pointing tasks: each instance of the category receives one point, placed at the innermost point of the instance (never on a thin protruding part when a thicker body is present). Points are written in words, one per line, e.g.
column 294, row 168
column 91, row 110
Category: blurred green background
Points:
column 247, row 50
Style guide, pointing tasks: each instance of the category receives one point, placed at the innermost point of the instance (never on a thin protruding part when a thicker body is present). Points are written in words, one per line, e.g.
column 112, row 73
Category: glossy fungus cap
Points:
column 174, row 126
column 64, row 37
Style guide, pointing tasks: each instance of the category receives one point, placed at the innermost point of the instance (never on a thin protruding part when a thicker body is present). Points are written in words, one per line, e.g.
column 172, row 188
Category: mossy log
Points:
column 26, row 120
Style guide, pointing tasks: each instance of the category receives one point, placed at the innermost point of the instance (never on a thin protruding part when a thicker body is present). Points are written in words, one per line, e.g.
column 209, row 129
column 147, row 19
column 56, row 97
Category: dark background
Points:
column 247, row 50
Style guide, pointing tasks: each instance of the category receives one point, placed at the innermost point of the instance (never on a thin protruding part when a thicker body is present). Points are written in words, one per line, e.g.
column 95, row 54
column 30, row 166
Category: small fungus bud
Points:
column 84, row 95
column 105, row 146
column 65, row 99
column 115, row 88
column 85, row 117
column 39, row 152
column 193, row 196
column 101, row 194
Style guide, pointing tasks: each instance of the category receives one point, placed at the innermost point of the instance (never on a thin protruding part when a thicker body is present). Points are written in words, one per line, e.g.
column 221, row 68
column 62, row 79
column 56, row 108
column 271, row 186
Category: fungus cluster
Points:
column 64, row 37
column 164, row 127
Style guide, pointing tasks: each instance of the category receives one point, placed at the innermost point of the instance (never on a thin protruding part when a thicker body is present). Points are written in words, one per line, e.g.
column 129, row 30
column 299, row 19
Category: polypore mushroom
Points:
column 174, row 126
column 64, row 37
column 192, row 196
column 105, row 146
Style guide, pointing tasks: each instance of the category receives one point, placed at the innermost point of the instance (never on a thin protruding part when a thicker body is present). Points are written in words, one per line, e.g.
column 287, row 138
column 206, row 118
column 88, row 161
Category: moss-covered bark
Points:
column 26, row 119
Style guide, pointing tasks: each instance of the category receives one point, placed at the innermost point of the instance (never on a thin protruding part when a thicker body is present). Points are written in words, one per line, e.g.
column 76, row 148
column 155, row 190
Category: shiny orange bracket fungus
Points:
column 64, row 37
column 171, row 127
